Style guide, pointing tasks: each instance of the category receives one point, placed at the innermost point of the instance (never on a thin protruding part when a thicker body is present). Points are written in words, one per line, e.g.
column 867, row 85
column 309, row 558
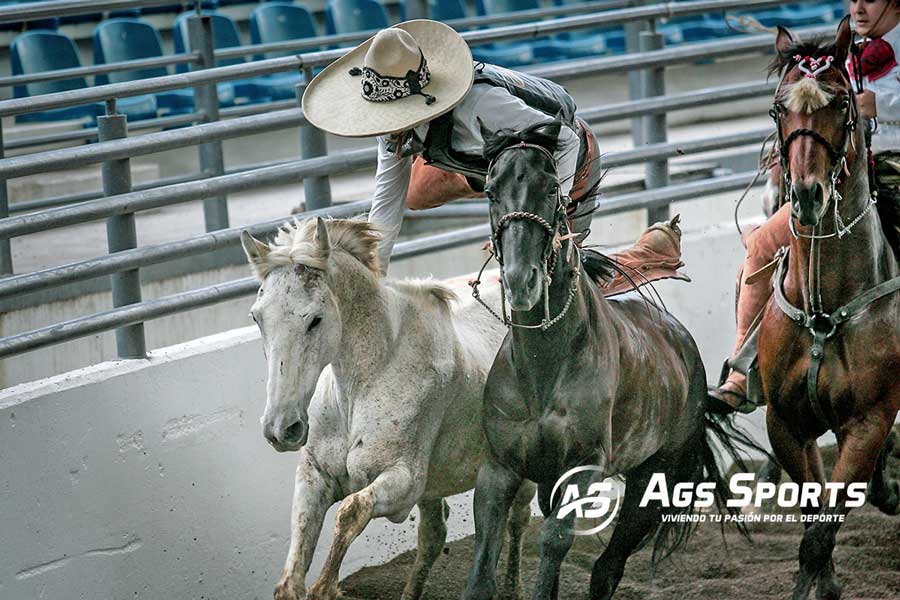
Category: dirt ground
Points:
column 867, row 559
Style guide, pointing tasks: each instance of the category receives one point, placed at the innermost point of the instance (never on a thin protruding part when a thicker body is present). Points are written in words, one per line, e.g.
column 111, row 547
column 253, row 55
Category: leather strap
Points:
column 823, row 326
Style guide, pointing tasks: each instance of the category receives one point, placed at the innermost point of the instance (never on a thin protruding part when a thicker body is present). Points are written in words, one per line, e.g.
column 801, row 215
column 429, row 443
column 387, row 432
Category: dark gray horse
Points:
column 579, row 380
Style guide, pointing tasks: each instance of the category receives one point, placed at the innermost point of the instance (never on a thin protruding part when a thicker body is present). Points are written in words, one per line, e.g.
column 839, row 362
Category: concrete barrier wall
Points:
column 151, row 478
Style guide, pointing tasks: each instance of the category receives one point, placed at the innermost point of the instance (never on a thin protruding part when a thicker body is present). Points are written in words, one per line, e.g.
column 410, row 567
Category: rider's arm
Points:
column 498, row 109
column 389, row 200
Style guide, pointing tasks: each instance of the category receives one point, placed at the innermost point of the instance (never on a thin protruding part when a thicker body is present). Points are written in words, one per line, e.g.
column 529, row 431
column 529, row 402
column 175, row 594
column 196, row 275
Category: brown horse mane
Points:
column 816, row 47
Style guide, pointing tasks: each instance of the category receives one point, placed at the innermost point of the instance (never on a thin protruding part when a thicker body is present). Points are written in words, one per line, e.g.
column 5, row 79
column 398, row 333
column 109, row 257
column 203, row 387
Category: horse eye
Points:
column 489, row 194
column 844, row 103
column 314, row 323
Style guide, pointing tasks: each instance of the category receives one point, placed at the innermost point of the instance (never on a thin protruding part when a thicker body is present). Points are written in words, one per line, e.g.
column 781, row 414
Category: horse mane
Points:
column 425, row 288
column 808, row 94
column 532, row 134
column 295, row 243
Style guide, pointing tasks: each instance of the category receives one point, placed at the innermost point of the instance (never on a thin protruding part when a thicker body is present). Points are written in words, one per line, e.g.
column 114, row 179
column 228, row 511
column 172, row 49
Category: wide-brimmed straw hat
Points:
column 402, row 77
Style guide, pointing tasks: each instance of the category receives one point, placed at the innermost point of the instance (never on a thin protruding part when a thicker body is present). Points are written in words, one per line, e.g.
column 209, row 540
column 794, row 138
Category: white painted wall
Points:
column 151, row 478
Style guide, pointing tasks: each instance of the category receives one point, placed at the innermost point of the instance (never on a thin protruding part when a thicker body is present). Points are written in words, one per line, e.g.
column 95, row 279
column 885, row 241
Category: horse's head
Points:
column 815, row 115
column 525, row 207
column 298, row 317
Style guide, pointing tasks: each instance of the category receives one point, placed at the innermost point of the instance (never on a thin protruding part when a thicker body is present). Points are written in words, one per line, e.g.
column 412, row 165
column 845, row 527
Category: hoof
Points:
column 829, row 589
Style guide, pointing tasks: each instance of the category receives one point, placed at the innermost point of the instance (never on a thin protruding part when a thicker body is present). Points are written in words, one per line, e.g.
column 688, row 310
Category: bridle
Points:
column 811, row 68
column 549, row 255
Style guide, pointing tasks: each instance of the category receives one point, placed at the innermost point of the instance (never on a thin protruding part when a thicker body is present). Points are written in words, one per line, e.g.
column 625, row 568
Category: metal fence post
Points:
column 654, row 84
column 316, row 190
column 121, row 234
column 206, row 99
column 633, row 30
column 6, row 266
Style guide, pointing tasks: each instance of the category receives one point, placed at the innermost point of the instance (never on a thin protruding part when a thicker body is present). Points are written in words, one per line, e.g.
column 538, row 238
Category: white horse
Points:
column 396, row 421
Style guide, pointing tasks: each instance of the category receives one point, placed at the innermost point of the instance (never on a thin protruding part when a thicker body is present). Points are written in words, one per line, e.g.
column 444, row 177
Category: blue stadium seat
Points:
column 509, row 55
column 39, row 51
column 117, row 40
column 513, row 54
column 347, row 16
column 225, row 35
column 281, row 22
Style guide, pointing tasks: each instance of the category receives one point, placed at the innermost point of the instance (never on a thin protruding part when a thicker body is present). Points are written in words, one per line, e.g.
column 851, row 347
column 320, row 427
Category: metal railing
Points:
column 121, row 201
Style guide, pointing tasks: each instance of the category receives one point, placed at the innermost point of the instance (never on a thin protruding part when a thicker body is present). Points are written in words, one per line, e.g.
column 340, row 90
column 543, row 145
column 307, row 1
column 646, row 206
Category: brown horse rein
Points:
column 549, row 254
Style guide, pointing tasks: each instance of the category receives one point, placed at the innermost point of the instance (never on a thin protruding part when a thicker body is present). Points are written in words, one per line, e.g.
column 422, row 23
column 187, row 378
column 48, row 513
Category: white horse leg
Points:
column 384, row 496
column 312, row 497
column 432, row 535
column 519, row 516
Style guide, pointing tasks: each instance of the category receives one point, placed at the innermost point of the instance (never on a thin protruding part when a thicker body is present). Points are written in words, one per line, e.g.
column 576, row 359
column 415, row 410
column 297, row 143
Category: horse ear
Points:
column 783, row 40
column 322, row 239
column 842, row 41
column 553, row 128
column 256, row 252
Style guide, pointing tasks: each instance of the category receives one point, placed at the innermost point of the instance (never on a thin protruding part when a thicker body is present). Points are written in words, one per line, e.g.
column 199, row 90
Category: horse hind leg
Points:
column 519, row 516
column 884, row 492
column 432, row 535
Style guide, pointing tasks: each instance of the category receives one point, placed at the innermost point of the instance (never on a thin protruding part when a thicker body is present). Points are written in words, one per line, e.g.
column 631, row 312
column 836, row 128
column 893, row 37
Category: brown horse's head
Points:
column 815, row 114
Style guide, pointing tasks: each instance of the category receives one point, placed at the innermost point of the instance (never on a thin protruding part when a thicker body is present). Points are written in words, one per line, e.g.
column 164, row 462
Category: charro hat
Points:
column 402, row 77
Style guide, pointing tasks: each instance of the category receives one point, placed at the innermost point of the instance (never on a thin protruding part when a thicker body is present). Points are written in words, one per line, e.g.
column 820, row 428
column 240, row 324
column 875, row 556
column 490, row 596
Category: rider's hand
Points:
column 866, row 101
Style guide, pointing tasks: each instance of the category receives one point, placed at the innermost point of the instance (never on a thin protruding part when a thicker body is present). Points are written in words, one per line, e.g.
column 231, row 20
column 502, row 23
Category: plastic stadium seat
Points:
column 225, row 35
column 347, row 16
column 39, row 51
column 281, row 22
column 117, row 40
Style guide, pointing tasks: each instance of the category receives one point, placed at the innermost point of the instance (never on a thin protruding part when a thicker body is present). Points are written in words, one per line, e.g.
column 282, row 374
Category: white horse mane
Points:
column 296, row 243
column 807, row 95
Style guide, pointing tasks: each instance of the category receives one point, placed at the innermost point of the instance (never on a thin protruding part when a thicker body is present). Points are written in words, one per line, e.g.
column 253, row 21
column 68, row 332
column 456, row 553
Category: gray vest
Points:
column 540, row 94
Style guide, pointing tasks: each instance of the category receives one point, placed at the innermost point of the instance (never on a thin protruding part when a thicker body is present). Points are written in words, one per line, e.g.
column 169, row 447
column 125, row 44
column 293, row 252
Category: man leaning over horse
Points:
column 876, row 68
column 416, row 88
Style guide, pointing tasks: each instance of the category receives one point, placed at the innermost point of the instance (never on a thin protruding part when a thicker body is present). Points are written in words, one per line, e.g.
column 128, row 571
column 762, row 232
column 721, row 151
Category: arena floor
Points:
column 710, row 568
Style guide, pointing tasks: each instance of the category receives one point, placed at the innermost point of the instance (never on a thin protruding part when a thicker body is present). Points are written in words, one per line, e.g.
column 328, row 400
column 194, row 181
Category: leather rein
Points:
column 553, row 243
column 821, row 325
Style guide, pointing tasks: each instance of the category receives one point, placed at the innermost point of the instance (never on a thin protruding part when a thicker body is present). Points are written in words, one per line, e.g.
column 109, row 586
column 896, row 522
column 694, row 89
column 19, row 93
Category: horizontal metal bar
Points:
column 90, row 133
column 14, row 13
column 76, row 328
column 673, row 102
column 316, row 59
column 685, row 53
column 672, row 149
column 126, row 65
column 168, row 121
column 157, row 253
column 174, row 194
column 458, row 24
column 69, row 158
column 54, row 201
column 674, row 193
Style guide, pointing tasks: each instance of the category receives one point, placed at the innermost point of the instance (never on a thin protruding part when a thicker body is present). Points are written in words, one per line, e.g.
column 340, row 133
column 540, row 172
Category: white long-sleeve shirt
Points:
column 498, row 109
column 887, row 100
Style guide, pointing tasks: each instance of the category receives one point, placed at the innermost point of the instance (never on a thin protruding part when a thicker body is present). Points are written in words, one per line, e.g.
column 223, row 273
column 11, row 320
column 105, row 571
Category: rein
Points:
column 554, row 242
column 821, row 325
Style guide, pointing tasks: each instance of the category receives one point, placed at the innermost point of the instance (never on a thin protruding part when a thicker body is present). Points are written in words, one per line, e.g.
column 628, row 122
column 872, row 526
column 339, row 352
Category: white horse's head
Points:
column 298, row 316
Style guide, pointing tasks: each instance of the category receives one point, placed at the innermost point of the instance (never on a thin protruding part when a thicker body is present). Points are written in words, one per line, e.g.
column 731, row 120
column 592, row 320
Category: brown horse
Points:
column 829, row 342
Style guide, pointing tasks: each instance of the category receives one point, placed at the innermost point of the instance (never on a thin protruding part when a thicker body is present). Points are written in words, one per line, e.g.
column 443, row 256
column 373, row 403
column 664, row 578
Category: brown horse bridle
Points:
column 549, row 254
column 838, row 156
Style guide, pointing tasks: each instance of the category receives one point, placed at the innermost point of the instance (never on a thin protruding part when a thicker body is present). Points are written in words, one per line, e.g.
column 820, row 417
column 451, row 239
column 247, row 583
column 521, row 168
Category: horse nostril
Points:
column 294, row 433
